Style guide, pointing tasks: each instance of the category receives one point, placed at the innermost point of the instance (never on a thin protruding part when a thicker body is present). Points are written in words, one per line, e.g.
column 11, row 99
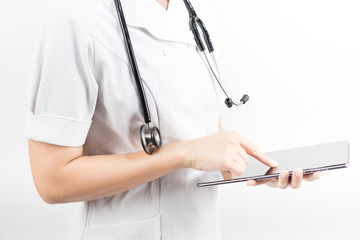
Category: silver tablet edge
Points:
column 262, row 177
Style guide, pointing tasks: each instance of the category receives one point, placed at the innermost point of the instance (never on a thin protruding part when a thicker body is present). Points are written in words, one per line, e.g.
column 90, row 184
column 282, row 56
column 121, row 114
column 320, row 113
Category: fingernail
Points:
column 298, row 174
column 273, row 163
column 283, row 175
column 251, row 183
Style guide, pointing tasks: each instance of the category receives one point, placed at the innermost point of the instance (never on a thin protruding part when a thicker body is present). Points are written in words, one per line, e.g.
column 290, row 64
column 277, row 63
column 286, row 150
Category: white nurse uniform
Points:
column 84, row 94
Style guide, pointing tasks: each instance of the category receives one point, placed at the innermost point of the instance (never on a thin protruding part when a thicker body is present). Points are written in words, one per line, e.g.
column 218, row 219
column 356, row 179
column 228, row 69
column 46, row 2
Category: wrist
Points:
column 176, row 153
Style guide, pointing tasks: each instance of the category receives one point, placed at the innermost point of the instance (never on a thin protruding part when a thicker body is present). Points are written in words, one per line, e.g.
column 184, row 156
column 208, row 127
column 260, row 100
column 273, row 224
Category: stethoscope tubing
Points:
column 150, row 137
column 133, row 62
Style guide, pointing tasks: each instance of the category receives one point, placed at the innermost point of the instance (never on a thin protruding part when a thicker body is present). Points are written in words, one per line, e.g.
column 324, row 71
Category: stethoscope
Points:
column 150, row 136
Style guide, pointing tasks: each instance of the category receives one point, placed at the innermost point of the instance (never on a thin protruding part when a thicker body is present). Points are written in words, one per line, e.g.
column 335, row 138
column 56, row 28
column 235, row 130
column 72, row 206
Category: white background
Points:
column 300, row 63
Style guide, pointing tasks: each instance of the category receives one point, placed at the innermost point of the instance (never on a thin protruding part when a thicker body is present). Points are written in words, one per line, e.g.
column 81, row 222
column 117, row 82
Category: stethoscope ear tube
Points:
column 195, row 31
column 194, row 22
column 206, row 35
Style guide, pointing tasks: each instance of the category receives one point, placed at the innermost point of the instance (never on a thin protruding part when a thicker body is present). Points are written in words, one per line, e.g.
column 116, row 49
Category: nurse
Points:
column 85, row 116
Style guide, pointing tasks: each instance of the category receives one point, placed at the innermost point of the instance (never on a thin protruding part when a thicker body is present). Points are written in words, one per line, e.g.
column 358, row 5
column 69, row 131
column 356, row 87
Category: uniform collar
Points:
column 171, row 24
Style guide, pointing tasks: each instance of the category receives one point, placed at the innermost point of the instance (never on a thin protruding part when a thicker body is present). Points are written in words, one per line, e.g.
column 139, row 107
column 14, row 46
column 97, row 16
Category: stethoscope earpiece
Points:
column 229, row 102
column 150, row 138
column 244, row 99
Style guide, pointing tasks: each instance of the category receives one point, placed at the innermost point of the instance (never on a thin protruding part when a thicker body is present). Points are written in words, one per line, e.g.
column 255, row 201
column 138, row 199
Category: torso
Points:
column 180, row 85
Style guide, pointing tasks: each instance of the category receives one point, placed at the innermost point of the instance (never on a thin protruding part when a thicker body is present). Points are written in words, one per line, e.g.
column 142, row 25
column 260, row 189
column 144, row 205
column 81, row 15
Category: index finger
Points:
column 254, row 151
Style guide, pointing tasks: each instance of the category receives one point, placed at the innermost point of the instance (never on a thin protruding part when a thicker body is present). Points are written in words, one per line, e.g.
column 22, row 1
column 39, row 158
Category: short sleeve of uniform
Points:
column 63, row 89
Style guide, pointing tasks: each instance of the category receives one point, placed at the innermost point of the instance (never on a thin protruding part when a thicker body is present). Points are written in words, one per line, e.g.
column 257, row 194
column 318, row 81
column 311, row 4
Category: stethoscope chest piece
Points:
column 150, row 138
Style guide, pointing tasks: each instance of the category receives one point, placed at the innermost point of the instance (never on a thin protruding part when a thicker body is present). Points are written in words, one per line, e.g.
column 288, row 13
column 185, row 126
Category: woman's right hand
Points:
column 224, row 151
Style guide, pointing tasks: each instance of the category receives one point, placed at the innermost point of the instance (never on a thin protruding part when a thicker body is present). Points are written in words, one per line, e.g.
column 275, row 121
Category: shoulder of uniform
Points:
column 76, row 10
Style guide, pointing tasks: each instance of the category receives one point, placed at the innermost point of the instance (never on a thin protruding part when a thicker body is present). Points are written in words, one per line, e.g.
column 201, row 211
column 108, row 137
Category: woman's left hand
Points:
column 285, row 181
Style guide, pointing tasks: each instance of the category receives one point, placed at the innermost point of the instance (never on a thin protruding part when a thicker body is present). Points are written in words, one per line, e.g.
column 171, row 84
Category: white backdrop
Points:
column 300, row 63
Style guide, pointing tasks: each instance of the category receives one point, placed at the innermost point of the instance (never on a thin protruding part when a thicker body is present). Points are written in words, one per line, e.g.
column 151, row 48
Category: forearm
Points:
column 94, row 177
column 62, row 174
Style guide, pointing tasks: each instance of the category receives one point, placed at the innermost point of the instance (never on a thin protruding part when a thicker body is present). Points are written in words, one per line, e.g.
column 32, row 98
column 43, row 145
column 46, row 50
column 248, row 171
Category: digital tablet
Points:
column 311, row 158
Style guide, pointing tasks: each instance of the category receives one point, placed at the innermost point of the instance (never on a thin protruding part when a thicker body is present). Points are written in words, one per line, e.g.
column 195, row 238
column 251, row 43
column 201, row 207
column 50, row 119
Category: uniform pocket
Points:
column 148, row 229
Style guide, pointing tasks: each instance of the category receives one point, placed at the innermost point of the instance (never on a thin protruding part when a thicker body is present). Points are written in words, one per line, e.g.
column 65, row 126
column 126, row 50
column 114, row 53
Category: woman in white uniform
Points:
column 85, row 117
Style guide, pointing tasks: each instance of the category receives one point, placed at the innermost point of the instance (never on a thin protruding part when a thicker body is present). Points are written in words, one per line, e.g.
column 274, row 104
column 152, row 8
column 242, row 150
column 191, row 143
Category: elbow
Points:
column 50, row 193
column 47, row 166
column 50, row 199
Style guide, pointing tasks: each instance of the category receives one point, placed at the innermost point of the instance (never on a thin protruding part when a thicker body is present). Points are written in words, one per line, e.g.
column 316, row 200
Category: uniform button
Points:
column 192, row 47
column 168, row 52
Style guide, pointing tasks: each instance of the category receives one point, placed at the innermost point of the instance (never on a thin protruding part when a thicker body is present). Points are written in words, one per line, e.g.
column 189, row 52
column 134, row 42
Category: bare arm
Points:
column 62, row 174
